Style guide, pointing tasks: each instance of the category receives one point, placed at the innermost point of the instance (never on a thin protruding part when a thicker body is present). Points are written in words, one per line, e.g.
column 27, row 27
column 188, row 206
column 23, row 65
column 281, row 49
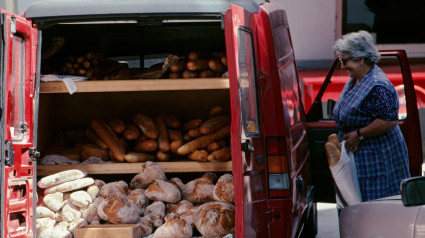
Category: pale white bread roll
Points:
column 178, row 182
column 81, row 199
column 146, row 225
column 77, row 223
column 43, row 211
column 174, row 228
column 70, row 186
column 179, row 208
column 54, row 201
column 149, row 172
column 69, row 212
column 61, row 177
column 94, row 189
column 163, row 191
column 200, row 190
column 90, row 213
column 138, row 198
column 215, row 219
column 156, row 211
column 118, row 210
column 119, row 188
column 223, row 189
column 61, row 230
column 44, row 227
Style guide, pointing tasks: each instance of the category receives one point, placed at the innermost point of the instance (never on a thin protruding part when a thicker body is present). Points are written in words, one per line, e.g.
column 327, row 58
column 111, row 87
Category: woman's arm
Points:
column 376, row 128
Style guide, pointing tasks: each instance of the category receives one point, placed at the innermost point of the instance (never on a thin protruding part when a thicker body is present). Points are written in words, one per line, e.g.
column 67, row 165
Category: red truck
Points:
column 277, row 157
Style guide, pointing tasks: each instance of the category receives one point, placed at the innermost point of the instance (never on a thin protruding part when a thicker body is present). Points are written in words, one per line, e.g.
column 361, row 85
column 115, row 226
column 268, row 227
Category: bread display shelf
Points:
column 134, row 168
column 138, row 85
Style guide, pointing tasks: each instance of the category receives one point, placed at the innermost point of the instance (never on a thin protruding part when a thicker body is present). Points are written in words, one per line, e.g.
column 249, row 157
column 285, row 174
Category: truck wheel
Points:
column 310, row 227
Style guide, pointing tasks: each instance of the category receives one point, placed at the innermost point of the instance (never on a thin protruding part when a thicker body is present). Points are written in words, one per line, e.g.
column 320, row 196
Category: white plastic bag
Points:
column 344, row 174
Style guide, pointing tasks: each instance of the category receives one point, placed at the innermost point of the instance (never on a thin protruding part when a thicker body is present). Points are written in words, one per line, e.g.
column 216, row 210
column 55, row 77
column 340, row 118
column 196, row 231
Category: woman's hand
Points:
column 351, row 141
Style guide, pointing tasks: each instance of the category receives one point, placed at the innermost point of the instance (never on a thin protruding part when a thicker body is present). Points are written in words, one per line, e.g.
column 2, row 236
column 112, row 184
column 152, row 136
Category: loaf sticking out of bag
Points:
column 333, row 154
column 334, row 139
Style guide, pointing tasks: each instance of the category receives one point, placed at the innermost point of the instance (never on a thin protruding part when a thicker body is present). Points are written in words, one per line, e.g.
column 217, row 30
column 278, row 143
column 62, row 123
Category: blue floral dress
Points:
column 381, row 161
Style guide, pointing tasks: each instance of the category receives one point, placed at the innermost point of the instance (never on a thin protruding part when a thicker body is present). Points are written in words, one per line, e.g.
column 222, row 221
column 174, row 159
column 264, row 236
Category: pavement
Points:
column 327, row 221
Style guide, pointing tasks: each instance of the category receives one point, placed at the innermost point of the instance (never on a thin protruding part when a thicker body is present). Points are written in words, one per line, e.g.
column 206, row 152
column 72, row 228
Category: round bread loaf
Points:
column 200, row 190
column 163, row 191
column 174, row 228
column 157, row 213
column 149, row 172
column 215, row 219
column 118, row 210
column 223, row 189
column 119, row 188
column 138, row 198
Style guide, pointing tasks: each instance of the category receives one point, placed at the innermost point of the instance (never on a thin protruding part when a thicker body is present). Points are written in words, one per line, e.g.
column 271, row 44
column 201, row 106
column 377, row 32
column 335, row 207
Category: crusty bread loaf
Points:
column 61, row 177
column 118, row 210
column 223, row 189
column 174, row 228
column 200, row 190
column 70, row 186
column 81, row 199
column 156, row 211
column 109, row 137
column 332, row 153
column 54, row 201
column 334, row 139
column 178, row 182
column 215, row 219
column 161, row 190
column 119, row 188
column 179, row 208
column 149, row 172
column 90, row 213
column 146, row 225
column 138, row 198
column 190, row 215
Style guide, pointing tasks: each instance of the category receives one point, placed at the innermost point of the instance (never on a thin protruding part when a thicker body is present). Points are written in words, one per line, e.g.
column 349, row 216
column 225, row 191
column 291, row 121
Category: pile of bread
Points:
column 164, row 208
column 147, row 139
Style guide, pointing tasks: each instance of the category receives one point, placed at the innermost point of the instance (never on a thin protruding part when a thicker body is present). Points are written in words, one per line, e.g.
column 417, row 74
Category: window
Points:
column 390, row 21
column 17, row 116
column 247, row 83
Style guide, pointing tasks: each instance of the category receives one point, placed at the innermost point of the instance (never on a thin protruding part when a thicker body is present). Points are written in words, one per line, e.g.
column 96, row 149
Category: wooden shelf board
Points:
column 134, row 168
column 138, row 85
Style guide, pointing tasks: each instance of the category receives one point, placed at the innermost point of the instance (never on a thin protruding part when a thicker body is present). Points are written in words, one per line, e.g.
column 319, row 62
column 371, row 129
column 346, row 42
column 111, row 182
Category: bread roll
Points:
column 94, row 189
column 157, row 213
column 95, row 139
column 204, row 141
column 208, row 74
column 174, row 228
column 135, row 157
column 171, row 120
column 118, row 210
column 192, row 124
column 131, row 132
column 179, row 208
column 91, row 150
column 213, row 124
column 175, row 75
column 163, row 141
column 54, row 201
column 177, row 182
column 61, row 177
column 138, row 198
column 215, row 219
column 117, row 125
column 146, row 225
column 332, row 154
column 163, row 191
column 198, row 155
column 216, row 145
column 216, row 65
column 223, row 189
column 146, row 146
column 220, row 155
column 44, row 227
column 114, row 189
column 61, row 230
column 70, row 186
column 178, row 67
column 69, row 212
column 90, row 213
column 146, row 125
column 200, row 190
column 43, row 212
column 81, row 199
column 77, row 223
column 194, row 133
column 163, row 156
column 175, row 135
column 175, row 145
column 149, row 173
column 215, row 111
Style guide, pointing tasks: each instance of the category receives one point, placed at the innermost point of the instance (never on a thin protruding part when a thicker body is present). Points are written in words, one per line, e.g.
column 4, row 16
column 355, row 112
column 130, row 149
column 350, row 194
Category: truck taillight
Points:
column 277, row 167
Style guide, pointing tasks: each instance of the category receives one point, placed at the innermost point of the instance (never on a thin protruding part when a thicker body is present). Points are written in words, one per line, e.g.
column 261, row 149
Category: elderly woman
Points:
column 366, row 115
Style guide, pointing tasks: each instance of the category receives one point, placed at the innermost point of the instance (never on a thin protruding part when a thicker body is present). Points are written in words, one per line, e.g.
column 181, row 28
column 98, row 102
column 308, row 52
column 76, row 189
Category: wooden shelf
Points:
column 134, row 168
column 138, row 85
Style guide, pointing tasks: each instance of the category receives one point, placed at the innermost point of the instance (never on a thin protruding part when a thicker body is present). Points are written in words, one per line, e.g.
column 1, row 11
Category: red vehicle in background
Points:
column 278, row 162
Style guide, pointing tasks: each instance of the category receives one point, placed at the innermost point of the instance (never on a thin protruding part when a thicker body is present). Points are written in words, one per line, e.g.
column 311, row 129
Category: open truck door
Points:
column 18, row 47
column 247, row 143
column 321, row 124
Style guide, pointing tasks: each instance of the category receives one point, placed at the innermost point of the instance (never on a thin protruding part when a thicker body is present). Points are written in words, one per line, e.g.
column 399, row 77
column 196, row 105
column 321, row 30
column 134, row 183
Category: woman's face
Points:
column 353, row 67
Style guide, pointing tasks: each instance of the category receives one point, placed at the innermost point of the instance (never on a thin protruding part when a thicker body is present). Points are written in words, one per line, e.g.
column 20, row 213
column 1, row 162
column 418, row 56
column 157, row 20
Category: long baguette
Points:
column 61, row 177
column 163, row 141
column 204, row 141
column 70, row 185
column 109, row 137
column 214, row 124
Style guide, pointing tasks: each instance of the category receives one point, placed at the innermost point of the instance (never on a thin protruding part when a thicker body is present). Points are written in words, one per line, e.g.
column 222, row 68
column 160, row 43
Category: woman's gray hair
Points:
column 357, row 45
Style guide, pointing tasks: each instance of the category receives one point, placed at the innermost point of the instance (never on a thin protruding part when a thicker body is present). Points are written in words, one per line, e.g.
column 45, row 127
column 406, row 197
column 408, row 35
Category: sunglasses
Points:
column 343, row 61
